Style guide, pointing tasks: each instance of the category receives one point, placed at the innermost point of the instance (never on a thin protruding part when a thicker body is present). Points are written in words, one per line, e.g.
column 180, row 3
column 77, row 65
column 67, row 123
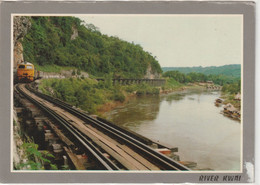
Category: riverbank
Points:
column 232, row 105
column 108, row 106
column 132, row 92
column 231, row 98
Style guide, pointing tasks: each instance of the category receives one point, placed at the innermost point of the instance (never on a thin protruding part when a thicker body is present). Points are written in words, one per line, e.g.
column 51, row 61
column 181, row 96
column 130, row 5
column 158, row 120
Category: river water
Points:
column 188, row 120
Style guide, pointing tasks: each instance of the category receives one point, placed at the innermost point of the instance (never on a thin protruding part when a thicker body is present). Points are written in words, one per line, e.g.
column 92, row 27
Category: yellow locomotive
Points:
column 25, row 72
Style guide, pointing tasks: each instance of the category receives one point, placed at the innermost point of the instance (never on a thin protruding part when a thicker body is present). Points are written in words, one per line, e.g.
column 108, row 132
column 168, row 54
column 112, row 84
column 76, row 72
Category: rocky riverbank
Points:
column 231, row 105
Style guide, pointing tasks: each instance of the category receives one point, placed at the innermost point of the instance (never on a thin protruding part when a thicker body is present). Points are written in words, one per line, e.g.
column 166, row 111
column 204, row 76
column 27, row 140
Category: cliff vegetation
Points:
column 68, row 41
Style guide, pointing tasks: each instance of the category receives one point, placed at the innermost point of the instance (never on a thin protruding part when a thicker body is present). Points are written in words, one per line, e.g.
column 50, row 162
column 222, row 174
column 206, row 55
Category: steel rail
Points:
column 106, row 163
column 163, row 161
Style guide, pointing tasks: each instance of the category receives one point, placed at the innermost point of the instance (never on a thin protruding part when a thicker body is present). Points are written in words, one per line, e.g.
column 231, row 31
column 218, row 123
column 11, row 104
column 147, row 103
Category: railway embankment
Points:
column 29, row 151
column 37, row 142
column 72, row 73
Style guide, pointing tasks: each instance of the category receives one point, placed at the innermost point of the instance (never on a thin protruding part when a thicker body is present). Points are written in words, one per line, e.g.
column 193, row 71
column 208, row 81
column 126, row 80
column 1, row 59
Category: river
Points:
column 188, row 120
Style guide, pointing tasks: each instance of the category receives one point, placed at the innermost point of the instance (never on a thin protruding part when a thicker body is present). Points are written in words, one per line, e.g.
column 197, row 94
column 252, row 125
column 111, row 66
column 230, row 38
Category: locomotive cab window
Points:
column 29, row 67
column 21, row 66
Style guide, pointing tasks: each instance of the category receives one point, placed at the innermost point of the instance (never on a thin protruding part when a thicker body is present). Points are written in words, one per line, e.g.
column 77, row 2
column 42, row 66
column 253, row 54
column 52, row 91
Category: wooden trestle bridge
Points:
column 125, row 81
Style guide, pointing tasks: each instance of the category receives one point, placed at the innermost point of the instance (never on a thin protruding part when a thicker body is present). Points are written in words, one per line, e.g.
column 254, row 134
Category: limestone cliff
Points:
column 150, row 74
column 20, row 28
column 75, row 33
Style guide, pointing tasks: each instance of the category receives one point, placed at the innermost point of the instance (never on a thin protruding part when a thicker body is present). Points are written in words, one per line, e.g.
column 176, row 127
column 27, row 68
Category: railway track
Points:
column 129, row 153
column 104, row 162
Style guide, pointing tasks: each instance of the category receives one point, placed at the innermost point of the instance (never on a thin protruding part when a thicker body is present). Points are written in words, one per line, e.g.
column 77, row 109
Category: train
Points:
column 25, row 72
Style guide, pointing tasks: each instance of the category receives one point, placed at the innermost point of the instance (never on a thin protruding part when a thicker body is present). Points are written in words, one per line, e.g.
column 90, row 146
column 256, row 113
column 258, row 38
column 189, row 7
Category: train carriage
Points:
column 25, row 72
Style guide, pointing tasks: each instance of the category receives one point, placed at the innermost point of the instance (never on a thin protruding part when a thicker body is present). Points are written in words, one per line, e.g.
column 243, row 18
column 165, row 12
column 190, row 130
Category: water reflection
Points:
column 188, row 120
column 174, row 97
column 138, row 109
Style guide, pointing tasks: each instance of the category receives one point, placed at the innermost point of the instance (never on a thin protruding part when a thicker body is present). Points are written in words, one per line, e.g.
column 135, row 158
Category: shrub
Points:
column 78, row 72
column 36, row 160
column 119, row 96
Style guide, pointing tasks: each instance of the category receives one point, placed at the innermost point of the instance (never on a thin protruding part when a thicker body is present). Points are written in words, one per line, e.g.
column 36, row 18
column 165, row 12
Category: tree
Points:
column 48, row 42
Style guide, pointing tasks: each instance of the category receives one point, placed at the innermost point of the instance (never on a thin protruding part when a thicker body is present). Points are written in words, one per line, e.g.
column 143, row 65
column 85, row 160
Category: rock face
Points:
column 18, row 53
column 75, row 33
column 62, row 74
column 20, row 28
column 150, row 74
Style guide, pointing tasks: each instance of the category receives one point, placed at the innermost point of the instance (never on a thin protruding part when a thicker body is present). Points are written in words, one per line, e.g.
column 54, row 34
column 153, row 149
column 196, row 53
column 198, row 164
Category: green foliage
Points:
column 86, row 93
column 146, row 89
column 65, row 167
column 52, row 68
column 141, row 89
column 179, row 77
column 131, row 88
column 233, row 70
column 78, row 72
column 199, row 77
column 108, row 80
column 233, row 88
column 36, row 159
column 118, row 96
column 89, row 94
column 230, row 98
column 73, row 73
column 171, row 83
column 230, row 84
column 49, row 42
column 186, row 78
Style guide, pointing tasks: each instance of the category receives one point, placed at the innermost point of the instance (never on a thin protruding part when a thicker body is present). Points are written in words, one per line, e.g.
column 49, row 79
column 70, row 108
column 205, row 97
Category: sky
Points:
column 179, row 40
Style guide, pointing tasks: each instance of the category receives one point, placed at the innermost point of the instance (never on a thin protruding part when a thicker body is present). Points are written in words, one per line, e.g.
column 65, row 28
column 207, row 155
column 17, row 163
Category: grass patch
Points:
column 87, row 94
column 142, row 89
column 171, row 84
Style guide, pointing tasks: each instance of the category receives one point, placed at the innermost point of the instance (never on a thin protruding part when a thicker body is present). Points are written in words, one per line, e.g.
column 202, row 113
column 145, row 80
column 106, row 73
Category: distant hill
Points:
column 233, row 70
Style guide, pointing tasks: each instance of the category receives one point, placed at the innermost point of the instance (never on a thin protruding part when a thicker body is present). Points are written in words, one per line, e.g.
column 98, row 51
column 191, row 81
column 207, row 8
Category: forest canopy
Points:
column 68, row 41
column 232, row 70
column 230, row 84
